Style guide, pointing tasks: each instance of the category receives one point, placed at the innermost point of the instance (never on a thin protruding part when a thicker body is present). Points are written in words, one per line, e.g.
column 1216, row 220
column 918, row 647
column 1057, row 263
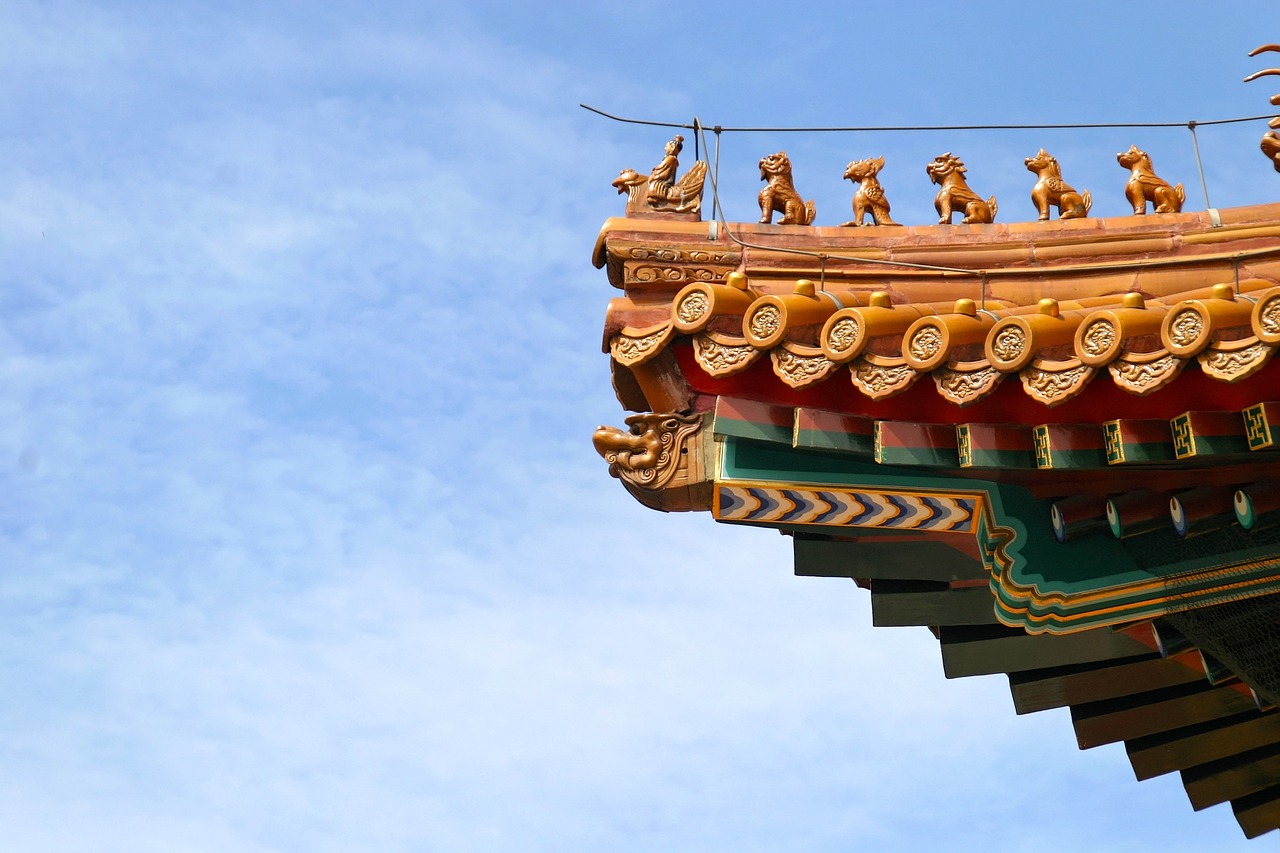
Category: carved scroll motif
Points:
column 880, row 377
column 925, row 343
column 636, row 346
column 1009, row 343
column 722, row 355
column 1143, row 375
column 765, row 321
column 1098, row 337
column 681, row 256
column 1269, row 316
column 800, row 366
column 1235, row 363
column 633, row 264
column 693, row 307
column 1053, row 383
column 963, row 387
column 671, row 275
column 648, row 456
column 1186, row 327
column 844, row 334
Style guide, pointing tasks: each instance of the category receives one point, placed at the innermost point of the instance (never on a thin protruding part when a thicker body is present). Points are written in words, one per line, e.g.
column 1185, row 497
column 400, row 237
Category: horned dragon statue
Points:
column 1271, row 140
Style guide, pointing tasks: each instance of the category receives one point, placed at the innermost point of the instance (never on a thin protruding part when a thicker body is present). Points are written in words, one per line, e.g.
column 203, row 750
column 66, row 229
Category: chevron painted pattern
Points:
column 827, row 507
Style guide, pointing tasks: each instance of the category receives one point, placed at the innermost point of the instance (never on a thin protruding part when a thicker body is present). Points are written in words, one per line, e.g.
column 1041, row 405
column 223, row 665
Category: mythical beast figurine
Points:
column 780, row 193
column 1050, row 189
column 1144, row 185
column 947, row 171
column 660, row 191
column 870, row 195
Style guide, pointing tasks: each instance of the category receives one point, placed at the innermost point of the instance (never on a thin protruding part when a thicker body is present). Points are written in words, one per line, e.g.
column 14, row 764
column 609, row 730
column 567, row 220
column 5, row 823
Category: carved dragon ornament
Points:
column 649, row 455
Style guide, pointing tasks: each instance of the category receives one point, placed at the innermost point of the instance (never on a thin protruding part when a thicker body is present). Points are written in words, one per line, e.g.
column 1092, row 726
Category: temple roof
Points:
column 1050, row 442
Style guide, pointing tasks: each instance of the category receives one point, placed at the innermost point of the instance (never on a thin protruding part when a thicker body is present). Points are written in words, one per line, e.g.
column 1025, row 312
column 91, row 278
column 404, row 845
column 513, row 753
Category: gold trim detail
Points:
column 723, row 357
column 648, row 253
column 636, row 346
column 1052, row 387
column 844, row 334
column 878, row 380
column 1185, row 327
column 963, row 387
column 800, row 366
column 1232, row 365
column 926, row 343
column 1099, row 337
column 1269, row 315
column 647, row 274
column 693, row 307
column 1009, row 343
column 1142, row 377
column 765, row 321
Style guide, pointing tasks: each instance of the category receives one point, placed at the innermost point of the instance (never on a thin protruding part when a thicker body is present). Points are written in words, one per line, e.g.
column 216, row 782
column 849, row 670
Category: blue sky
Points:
column 303, row 544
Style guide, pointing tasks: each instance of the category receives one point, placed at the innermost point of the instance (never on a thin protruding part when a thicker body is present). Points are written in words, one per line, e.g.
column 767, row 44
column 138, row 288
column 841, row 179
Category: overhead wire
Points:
column 929, row 127
column 700, row 144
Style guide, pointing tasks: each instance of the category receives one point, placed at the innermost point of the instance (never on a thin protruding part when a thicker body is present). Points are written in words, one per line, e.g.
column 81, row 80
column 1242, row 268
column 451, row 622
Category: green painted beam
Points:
column 1042, row 689
column 1135, row 441
column 822, row 430
column 1233, row 777
column 927, row 561
column 1059, row 446
column 995, row 446
column 901, row 603
column 987, row 651
column 1258, row 813
column 1199, row 434
column 1262, row 426
column 910, row 443
column 1129, row 717
column 752, row 420
column 1199, row 744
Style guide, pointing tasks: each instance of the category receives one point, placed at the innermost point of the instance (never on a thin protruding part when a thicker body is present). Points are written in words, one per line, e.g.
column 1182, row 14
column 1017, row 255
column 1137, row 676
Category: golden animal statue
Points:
column 1270, row 140
column 780, row 193
column 1145, row 186
column 870, row 196
column 1051, row 190
column 947, row 171
column 659, row 190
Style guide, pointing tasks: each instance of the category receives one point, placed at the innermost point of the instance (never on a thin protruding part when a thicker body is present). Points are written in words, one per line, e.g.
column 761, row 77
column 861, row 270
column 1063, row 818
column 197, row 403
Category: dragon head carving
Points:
column 943, row 166
column 775, row 165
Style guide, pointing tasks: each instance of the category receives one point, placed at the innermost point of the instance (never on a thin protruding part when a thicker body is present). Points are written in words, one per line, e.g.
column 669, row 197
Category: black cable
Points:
column 1085, row 126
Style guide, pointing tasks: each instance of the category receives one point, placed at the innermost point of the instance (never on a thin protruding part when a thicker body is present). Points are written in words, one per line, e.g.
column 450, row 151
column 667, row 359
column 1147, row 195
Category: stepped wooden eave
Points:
column 1052, row 443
